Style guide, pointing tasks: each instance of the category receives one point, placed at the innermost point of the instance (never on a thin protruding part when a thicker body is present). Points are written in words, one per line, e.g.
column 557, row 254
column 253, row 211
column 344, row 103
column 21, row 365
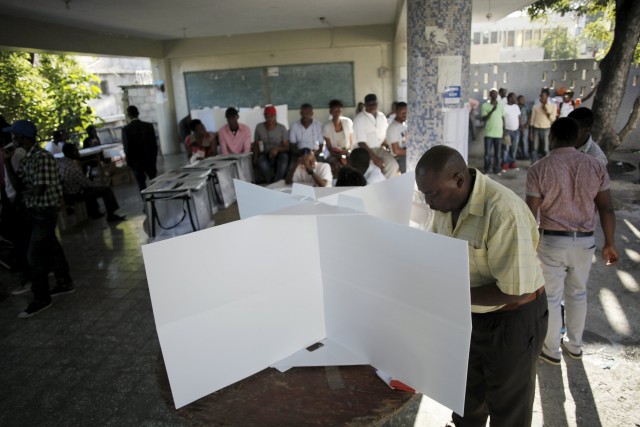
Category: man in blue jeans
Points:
column 492, row 113
column 38, row 183
column 512, row 124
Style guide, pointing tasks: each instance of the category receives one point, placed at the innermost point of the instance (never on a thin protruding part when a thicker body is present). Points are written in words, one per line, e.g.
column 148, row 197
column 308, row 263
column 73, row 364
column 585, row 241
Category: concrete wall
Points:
column 527, row 78
column 369, row 48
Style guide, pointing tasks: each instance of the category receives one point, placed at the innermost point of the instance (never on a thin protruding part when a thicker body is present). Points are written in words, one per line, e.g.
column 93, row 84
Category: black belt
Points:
column 567, row 233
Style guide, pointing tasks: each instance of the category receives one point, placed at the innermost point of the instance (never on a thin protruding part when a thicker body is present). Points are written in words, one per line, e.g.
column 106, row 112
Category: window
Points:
column 476, row 38
column 584, row 74
column 504, row 77
column 519, row 38
column 495, row 69
column 511, row 35
column 486, row 78
column 527, row 37
column 485, row 94
column 544, row 76
column 476, row 86
column 494, row 37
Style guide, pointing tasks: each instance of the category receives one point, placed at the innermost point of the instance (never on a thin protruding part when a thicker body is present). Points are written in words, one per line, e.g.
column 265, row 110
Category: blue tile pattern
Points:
column 453, row 21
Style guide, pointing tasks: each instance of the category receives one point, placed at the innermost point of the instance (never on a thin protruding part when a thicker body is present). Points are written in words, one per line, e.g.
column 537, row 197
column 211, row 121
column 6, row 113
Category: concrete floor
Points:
column 91, row 359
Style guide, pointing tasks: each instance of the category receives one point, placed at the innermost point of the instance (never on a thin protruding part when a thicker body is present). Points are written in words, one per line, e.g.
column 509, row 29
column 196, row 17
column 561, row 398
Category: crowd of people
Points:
column 35, row 183
column 311, row 152
column 525, row 256
column 514, row 131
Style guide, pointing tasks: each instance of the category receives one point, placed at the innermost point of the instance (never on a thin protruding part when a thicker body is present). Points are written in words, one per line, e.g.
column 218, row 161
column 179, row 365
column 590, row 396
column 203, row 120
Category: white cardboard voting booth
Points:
column 296, row 271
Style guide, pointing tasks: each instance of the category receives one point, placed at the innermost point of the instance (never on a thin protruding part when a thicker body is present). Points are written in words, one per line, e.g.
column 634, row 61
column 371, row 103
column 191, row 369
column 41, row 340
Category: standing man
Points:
column 512, row 125
column 370, row 130
column 492, row 113
column 397, row 136
column 140, row 147
column 525, row 115
column 565, row 188
column 234, row 137
column 306, row 133
column 542, row 115
column 585, row 143
column 37, row 181
column 508, row 304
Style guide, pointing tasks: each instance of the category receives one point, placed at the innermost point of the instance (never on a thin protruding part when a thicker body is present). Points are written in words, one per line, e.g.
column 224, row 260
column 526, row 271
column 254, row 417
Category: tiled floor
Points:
column 91, row 358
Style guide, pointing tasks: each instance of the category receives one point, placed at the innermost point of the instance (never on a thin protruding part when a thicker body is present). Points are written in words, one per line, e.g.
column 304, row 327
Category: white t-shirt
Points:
column 511, row 114
column 373, row 174
column 566, row 108
column 340, row 140
column 54, row 148
column 323, row 169
column 370, row 129
column 397, row 132
column 310, row 137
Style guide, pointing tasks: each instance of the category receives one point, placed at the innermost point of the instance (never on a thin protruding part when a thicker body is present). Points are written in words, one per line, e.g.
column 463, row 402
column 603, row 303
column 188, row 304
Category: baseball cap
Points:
column 270, row 110
column 370, row 98
column 22, row 127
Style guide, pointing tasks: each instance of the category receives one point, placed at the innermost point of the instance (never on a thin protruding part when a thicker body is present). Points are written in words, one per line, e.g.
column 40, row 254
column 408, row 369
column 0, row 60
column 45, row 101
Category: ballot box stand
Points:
column 177, row 206
column 223, row 173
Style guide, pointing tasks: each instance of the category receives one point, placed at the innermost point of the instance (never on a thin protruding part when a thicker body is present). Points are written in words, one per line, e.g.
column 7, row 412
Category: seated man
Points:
column 234, row 137
column 349, row 177
column 76, row 186
column 361, row 161
column 306, row 133
column 309, row 172
column 271, row 147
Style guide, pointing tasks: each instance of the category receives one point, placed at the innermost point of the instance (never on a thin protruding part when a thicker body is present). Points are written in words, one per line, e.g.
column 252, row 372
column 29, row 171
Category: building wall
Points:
column 370, row 48
column 529, row 77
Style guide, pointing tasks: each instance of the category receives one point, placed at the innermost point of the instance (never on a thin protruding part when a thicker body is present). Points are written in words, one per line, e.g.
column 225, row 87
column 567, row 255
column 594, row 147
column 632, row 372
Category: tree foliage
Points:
column 558, row 45
column 50, row 90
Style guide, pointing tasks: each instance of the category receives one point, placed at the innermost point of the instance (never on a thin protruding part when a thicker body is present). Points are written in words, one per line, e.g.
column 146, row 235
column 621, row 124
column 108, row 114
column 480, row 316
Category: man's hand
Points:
column 610, row 254
column 308, row 162
column 273, row 152
column 377, row 161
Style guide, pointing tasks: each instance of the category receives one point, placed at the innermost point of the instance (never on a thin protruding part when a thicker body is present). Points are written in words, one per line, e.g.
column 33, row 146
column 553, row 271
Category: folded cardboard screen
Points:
column 297, row 271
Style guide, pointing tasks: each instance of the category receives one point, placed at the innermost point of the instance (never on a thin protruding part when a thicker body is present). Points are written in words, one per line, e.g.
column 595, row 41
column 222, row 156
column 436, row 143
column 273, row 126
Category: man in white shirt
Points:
column 370, row 130
column 512, row 124
column 54, row 146
column 309, row 172
column 397, row 136
column 306, row 132
column 361, row 161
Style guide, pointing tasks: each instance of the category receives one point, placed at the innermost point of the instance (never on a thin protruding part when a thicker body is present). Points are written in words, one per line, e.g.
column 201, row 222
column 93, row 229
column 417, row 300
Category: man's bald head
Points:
column 442, row 176
column 440, row 159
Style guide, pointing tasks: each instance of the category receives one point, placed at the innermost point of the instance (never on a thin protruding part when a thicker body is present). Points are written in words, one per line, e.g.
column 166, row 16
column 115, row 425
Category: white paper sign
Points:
column 449, row 72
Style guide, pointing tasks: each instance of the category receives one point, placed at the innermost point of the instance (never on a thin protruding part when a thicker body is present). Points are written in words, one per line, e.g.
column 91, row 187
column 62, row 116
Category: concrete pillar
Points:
column 166, row 108
column 439, row 41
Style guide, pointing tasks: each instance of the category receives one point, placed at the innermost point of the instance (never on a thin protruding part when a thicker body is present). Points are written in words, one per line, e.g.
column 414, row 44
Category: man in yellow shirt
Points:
column 542, row 115
column 509, row 307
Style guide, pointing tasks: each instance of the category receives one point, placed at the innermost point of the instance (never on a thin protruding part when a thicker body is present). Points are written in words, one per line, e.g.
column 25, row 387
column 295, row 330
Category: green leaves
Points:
column 52, row 91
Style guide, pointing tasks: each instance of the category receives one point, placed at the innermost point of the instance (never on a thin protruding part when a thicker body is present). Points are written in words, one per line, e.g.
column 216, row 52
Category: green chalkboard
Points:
column 225, row 88
column 316, row 84
column 293, row 85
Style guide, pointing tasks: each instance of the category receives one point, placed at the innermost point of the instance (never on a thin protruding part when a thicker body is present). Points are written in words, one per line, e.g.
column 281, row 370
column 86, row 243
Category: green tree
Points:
column 50, row 90
column 615, row 64
column 558, row 45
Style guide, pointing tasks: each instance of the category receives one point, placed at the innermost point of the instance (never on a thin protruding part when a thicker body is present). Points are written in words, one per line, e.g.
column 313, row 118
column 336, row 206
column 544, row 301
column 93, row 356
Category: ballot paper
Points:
column 296, row 271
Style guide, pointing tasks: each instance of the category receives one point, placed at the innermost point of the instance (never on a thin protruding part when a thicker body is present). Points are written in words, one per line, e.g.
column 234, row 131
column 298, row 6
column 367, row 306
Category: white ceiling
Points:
column 174, row 19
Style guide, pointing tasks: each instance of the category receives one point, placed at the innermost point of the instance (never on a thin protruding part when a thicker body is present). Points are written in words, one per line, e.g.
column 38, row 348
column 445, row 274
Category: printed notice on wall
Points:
column 449, row 72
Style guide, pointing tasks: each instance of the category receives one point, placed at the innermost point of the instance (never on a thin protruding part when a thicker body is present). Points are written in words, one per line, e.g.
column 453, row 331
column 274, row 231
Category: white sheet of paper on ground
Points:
column 274, row 284
column 330, row 354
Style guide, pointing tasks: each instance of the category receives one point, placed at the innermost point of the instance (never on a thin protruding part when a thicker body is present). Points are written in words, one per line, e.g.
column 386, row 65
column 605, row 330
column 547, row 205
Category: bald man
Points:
column 508, row 304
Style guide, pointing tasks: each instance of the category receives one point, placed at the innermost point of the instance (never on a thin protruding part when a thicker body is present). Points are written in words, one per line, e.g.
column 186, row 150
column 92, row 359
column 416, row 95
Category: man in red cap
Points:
column 271, row 147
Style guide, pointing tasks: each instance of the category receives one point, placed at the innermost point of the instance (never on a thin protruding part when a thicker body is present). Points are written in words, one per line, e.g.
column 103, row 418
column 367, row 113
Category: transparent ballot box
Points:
column 177, row 205
column 223, row 173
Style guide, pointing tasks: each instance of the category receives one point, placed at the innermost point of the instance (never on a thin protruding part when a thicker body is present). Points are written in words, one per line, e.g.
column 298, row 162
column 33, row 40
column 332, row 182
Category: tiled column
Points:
column 435, row 28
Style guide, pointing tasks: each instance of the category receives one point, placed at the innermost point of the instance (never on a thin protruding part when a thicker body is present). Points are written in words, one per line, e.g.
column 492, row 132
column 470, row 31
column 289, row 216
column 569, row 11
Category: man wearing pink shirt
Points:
column 234, row 137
